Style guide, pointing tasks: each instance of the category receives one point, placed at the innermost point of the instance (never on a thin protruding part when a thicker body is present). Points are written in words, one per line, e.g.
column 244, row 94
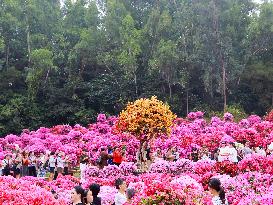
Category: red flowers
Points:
column 226, row 167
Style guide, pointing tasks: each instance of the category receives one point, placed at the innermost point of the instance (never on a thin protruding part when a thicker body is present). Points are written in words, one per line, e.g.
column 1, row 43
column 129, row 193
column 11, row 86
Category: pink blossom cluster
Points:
column 125, row 169
column 183, row 181
column 186, row 134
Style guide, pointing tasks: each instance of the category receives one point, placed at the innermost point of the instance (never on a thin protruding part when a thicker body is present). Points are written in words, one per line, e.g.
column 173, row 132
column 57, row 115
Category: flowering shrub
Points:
column 226, row 167
column 146, row 118
column 185, row 135
column 180, row 182
column 91, row 171
column 160, row 166
column 181, row 166
column 15, row 192
column 202, row 166
column 127, row 168
column 111, row 170
column 256, row 163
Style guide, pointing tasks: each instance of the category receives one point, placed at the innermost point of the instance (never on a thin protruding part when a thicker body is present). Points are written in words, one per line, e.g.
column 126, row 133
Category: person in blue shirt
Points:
column 110, row 154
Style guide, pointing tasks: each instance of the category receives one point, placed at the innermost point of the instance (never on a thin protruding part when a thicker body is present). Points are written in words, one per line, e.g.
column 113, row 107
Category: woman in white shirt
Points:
column 60, row 164
column 233, row 154
column 223, row 152
column 120, row 197
column 52, row 165
column 217, row 192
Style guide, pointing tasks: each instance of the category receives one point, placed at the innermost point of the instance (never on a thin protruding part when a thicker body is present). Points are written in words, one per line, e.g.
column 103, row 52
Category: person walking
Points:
column 17, row 165
column 32, row 165
column 60, row 164
column 25, row 163
column 52, row 165
column 83, row 163
column 77, row 195
column 117, row 156
column 95, row 189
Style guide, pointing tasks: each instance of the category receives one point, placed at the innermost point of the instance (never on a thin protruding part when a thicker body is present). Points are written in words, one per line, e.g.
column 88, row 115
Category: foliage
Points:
column 236, row 110
column 146, row 118
column 180, row 182
column 75, row 59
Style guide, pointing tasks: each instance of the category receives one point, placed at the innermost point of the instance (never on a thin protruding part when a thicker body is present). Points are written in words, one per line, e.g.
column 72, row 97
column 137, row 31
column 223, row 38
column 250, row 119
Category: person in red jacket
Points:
column 117, row 156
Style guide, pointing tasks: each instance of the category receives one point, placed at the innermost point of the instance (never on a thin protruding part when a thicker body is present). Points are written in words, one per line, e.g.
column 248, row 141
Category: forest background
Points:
column 65, row 62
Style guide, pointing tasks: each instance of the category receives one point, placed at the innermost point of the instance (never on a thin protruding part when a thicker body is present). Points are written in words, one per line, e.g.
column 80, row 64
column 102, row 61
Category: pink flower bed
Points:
column 181, row 182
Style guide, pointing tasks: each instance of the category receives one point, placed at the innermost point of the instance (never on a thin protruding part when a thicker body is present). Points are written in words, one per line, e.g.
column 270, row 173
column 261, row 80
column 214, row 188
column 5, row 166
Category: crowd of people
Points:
column 21, row 163
column 79, row 196
column 124, row 195
column 229, row 151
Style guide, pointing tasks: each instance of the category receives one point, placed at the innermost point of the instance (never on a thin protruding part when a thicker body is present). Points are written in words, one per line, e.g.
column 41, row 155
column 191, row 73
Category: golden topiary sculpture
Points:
column 146, row 119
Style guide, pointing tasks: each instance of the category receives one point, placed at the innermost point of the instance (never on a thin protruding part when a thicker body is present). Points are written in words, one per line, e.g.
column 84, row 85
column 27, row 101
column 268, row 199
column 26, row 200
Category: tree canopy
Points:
column 63, row 62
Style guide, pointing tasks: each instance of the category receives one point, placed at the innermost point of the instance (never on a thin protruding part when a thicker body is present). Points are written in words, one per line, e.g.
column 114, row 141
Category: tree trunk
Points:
column 170, row 86
column 219, row 51
column 135, row 81
column 28, row 33
column 187, row 101
column 170, row 91
column 28, row 43
column 7, row 56
column 142, row 157
column 224, row 85
column 47, row 75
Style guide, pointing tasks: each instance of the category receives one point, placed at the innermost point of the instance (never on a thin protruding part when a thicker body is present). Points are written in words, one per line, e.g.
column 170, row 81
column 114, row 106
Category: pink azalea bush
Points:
column 15, row 192
column 180, row 182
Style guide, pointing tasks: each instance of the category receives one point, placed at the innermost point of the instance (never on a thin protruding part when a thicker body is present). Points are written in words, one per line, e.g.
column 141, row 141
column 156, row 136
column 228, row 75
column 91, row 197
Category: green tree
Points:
column 130, row 49
column 165, row 60
column 41, row 65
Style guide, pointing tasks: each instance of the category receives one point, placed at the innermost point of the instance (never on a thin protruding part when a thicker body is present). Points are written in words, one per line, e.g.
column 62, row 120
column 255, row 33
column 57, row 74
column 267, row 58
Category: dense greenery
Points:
column 63, row 62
